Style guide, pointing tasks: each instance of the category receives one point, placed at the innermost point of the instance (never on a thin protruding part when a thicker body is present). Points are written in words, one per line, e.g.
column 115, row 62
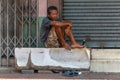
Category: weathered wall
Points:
column 42, row 8
column 57, row 3
column 42, row 12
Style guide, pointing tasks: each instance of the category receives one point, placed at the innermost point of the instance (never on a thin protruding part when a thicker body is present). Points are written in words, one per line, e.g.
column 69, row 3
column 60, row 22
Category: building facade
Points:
column 97, row 22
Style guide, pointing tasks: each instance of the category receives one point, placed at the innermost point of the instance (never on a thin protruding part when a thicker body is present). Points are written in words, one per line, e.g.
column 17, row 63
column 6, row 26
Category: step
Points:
column 105, row 54
column 105, row 66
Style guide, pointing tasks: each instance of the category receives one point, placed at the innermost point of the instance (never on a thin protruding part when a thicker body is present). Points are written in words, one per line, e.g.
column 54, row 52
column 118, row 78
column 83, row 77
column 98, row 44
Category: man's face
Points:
column 53, row 15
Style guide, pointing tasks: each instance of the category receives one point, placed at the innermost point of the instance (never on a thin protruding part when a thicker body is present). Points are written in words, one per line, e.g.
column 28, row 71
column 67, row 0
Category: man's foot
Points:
column 66, row 46
column 76, row 46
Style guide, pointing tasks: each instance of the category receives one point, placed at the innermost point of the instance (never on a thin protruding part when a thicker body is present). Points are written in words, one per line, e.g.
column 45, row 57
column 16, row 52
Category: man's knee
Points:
column 67, row 31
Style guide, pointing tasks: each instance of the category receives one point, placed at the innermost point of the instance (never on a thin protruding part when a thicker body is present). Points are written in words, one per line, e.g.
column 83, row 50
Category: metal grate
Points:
column 97, row 21
column 18, row 27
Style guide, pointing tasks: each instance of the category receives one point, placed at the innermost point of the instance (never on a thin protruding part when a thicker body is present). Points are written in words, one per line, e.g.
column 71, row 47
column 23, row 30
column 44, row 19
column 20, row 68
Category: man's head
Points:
column 52, row 12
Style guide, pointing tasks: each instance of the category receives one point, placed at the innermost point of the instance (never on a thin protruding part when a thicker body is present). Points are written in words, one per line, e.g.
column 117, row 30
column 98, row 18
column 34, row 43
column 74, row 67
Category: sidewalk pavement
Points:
column 86, row 75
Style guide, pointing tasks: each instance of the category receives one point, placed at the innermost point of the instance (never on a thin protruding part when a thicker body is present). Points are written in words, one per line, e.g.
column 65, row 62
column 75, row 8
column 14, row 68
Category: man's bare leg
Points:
column 61, row 38
column 74, row 44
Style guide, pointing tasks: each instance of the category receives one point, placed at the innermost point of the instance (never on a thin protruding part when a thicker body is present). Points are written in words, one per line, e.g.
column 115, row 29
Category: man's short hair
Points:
column 49, row 9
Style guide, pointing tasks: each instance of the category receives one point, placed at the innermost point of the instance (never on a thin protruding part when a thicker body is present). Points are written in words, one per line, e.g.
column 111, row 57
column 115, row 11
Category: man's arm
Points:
column 61, row 24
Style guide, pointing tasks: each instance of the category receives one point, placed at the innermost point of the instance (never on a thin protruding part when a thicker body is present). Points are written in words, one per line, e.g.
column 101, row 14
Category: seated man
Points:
column 52, row 30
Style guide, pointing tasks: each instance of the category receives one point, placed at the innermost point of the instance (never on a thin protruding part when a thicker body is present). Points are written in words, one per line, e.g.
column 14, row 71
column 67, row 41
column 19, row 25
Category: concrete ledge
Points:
column 52, row 58
column 105, row 54
column 7, row 70
column 105, row 66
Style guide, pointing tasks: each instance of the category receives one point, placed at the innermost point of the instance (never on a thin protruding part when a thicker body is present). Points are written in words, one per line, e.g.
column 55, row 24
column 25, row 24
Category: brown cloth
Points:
column 52, row 40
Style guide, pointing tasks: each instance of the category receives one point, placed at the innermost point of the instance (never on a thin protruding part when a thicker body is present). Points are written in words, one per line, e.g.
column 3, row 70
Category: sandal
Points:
column 68, row 73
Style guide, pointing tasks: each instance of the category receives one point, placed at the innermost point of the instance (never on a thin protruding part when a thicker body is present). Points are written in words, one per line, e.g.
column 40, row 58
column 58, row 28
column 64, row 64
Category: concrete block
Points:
column 105, row 66
column 3, row 61
column 27, row 71
column 22, row 58
column 105, row 54
column 60, row 58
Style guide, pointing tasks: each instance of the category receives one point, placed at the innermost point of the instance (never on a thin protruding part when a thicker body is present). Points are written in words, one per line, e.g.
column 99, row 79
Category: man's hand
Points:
column 70, row 24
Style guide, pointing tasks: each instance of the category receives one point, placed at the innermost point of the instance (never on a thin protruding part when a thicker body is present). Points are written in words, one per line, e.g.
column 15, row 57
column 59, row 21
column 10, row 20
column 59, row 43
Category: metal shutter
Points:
column 97, row 21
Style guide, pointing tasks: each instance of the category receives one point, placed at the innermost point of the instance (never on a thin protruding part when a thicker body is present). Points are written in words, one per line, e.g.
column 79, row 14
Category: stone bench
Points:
column 52, row 58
